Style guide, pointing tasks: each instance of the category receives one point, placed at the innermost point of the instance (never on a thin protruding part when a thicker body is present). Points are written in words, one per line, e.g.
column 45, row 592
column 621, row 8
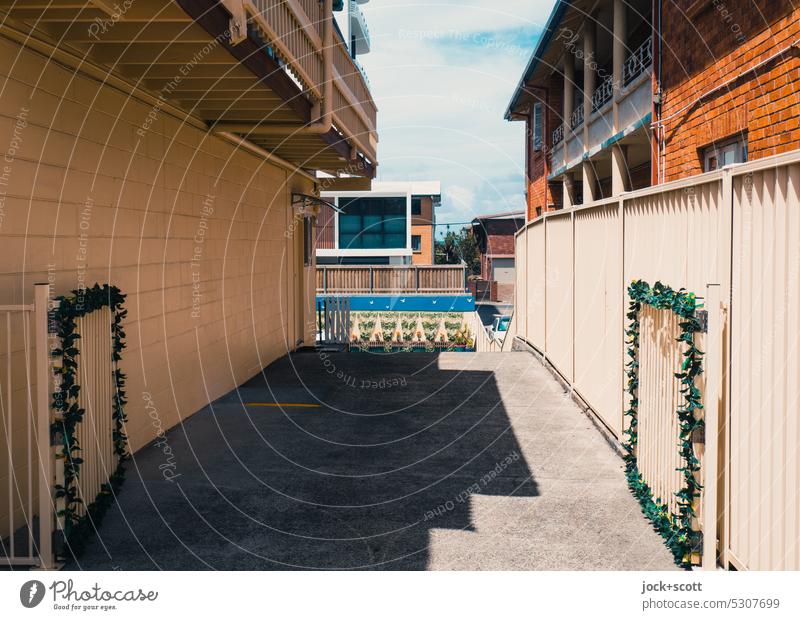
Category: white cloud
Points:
column 442, row 75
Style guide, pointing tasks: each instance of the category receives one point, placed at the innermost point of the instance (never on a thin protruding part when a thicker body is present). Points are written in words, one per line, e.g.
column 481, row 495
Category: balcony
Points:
column 633, row 104
column 253, row 71
column 638, row 62
column 295, row 29
column 358, row 29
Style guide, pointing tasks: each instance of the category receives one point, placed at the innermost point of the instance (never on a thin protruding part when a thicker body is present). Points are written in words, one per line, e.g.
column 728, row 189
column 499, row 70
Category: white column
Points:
column 619, row 170
column 568, row 195
column 589, row 75
column 619, row 166
column 569, row 87
column 589, row 180
column 619, row 53
column 589, row 79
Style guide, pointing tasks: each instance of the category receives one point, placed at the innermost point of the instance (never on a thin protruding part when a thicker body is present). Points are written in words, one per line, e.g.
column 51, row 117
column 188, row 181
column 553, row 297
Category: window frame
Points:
column 716, row 152
column 418, row 249
column 537, row 128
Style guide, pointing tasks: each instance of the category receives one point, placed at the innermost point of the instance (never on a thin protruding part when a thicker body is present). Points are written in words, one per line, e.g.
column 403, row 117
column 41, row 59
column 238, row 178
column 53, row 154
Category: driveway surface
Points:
column 408, row 461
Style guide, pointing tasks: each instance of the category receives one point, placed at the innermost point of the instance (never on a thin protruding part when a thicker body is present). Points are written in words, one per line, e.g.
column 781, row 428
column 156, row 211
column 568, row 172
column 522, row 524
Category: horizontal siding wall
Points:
column 163, row 215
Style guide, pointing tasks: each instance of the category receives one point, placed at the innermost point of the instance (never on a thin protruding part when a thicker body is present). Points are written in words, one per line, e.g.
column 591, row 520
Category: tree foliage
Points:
column 457, row 247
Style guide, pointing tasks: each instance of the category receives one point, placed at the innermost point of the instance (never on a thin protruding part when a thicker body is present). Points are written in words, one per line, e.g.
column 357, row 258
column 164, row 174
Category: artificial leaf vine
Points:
column 69, row 413
column 676, row 529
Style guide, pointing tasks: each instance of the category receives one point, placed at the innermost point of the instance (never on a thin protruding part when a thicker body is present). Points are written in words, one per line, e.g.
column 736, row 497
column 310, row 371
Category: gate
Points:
column 30, row 473
column 95, row 432
column 333, row 320
column 27, row 472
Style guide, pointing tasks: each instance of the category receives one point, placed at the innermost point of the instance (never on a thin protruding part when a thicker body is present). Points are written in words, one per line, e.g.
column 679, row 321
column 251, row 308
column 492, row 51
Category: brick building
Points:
column 731, row 94
column 622, row 94
column 495, row 237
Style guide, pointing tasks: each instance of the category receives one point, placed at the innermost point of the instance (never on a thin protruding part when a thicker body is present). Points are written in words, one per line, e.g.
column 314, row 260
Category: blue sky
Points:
column 442, row 74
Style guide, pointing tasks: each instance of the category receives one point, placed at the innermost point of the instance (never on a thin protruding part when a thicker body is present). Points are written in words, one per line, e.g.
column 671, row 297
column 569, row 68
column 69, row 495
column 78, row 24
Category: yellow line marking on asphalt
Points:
column 310, row 406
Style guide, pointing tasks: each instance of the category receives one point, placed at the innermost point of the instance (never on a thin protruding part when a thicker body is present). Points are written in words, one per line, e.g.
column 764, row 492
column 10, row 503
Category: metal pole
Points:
column 713, row 361
column 41, row 298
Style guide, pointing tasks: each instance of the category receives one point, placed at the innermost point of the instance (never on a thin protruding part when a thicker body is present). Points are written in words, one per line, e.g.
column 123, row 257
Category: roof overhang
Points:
column 567, row 15
column 180, row 53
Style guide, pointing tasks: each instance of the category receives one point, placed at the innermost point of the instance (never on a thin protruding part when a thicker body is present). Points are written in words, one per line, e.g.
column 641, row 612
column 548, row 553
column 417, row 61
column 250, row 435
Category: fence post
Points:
column 371, row 280
column 44, row 452
column 713, row 360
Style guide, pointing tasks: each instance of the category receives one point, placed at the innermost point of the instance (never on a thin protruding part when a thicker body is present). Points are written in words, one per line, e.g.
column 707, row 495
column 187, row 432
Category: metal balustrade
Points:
column 603, row 94
column 576, row 119
column 638, row 62
column 558, row 134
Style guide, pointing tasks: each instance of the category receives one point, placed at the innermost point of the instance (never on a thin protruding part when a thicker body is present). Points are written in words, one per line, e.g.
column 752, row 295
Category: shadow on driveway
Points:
column 404, row 461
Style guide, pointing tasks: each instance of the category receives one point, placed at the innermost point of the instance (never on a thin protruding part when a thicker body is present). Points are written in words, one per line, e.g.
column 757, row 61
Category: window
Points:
column 724, row 154
column 416, row 243
column 538, row 126
column 416, row 205
column 372, row 223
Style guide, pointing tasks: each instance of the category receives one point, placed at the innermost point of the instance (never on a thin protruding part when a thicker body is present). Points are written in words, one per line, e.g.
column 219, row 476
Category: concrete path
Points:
column 410, row 461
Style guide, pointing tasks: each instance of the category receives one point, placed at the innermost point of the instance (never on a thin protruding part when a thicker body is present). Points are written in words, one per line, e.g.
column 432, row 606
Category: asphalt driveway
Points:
column 365, row 461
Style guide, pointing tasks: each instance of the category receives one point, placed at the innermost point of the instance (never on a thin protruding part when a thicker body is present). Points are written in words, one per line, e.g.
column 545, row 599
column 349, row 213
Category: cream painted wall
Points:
column 95, row 191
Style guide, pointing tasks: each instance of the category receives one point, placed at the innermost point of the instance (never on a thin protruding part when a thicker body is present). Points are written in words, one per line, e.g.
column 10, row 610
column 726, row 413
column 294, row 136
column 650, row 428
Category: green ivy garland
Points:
column 69, row 413
column 676, row 529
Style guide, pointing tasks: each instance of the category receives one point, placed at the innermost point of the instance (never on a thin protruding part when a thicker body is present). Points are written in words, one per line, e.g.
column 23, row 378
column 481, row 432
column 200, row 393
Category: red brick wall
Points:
column 709, row 42
column 540, row 194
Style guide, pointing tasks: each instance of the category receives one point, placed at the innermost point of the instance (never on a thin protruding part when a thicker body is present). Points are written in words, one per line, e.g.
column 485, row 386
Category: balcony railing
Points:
column 293, row 29
column 576, row 119
column 398, row 279
column 558, row 134
column 603, row 94
column 638, row 62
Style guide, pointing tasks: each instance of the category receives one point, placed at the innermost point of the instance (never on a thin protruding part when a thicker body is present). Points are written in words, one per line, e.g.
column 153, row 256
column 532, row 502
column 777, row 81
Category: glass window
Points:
column 372, row 223
column 416, row 243
column 538, row 127
column 724, row 154
column 416, row 205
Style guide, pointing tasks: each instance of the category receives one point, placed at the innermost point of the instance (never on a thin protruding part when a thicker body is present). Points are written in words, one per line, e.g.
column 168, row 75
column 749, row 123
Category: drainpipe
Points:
column 325, row 121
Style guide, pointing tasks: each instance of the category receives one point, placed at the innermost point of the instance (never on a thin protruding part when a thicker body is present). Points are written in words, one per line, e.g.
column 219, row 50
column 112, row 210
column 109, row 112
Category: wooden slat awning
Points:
column 180, row 50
